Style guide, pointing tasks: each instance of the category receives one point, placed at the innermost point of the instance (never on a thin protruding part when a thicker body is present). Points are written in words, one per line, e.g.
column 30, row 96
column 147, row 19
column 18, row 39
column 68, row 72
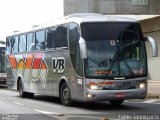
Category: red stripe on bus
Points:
column 37, row 60
column 29, row 61
column 100, row 83
column 106, row 83
column 13, row 61
column 92, row 83
column 43, row 66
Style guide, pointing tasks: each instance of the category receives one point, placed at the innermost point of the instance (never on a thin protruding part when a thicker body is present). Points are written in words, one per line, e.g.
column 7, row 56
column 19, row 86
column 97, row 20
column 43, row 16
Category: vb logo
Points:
column 58, row 65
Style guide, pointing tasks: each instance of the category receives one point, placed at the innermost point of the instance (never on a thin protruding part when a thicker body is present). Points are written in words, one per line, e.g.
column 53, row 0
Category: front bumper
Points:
column 105, row 95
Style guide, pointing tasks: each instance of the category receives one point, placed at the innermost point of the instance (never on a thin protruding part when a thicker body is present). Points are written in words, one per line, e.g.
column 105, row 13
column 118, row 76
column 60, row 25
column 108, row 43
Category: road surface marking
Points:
column 46, row 112
column 150, row 101
column 92, row 117
column 17, row 103
column 146, row 101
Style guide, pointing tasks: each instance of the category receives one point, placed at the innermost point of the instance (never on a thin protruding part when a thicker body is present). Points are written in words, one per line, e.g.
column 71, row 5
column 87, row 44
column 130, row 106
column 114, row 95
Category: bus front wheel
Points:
column 65, row 95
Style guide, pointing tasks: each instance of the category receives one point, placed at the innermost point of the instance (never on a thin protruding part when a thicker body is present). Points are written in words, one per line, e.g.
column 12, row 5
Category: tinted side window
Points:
column 14, row 43
column 51, row 38
column 73, row 36
column 74, row 48
column 8, row 45
column 30, row 42
column 22, row 43
column 40, row 40
column 62, row 36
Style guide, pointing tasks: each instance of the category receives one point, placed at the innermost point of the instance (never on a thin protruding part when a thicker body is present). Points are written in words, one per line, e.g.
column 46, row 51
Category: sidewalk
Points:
column 153, row 89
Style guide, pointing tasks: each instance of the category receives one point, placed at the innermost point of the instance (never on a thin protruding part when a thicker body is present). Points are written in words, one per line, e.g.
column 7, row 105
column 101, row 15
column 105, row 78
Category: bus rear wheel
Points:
column 65, row 95
column 22, row 94
column 116, row 102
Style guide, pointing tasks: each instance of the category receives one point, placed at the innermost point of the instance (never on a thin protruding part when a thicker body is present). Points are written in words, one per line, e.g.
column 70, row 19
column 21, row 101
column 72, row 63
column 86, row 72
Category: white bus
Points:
column 83, row 57
column 2, row 65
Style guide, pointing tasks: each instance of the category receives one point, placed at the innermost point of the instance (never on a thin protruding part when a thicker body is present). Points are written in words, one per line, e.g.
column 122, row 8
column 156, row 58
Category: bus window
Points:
column 74, row 48
column 51, row 37
column 22, row 43
column 8, row 44
column 62, row 37
column 40, row 40
column 14, row 43
column 30, row 42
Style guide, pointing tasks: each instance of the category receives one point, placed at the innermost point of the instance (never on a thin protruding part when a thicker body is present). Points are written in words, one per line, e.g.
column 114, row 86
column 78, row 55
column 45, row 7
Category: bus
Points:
column 81, row 57
column 2, row 65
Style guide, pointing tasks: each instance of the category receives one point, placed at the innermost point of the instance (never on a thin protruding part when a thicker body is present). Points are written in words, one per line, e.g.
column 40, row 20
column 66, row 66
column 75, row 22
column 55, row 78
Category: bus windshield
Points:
column 2, row 59
column 114, row 50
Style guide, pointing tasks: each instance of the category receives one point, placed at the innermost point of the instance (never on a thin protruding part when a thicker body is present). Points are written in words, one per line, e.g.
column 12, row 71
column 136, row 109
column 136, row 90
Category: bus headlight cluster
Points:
column 141, row 85
column 90, row 95
column 95, row 87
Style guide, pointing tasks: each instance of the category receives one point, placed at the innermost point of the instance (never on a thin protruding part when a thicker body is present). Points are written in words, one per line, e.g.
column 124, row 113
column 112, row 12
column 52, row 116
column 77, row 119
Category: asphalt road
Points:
column 12, row 107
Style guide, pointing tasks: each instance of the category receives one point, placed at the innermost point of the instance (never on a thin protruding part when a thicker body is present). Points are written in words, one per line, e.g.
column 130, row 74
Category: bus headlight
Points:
column 90, row 95
column 142, row 85
column 95, row 87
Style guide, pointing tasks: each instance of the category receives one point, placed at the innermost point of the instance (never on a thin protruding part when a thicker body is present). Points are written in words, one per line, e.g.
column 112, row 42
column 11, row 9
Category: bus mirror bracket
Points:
column 83, row 48
column 153, row 45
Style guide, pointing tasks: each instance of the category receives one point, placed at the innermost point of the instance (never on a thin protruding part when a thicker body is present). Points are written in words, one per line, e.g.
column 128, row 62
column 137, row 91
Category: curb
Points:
column 149, row 95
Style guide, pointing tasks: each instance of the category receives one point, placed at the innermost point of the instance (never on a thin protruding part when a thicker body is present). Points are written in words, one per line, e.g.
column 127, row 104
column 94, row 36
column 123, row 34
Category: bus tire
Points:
column 65, row 95
column 30, row 95
column 116, row 102
column 22, row 94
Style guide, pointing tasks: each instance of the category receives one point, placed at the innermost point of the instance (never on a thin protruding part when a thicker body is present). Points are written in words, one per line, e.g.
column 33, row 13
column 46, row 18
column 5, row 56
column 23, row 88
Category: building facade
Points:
column 112, row 6
column 151, row 27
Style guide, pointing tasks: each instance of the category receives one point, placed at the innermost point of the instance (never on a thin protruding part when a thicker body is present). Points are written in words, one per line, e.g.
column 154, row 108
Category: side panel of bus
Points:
column 42, row 71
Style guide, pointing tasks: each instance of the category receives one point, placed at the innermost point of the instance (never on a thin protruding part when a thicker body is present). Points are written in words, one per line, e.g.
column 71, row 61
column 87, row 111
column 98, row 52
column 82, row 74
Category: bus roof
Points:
column 87, row 17
column 79, row 18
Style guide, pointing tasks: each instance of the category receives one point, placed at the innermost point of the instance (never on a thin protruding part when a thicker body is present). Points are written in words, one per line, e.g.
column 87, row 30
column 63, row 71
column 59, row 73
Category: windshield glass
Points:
column 114, row 50
column 2, row 59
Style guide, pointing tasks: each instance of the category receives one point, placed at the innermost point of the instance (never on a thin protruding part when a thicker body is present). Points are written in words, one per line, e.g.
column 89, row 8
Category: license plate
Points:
column 120, row 95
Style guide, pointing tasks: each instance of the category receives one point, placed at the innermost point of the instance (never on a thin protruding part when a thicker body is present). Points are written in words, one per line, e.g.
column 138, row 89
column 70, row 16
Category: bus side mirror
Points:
column 153, row 45
column 83, row 48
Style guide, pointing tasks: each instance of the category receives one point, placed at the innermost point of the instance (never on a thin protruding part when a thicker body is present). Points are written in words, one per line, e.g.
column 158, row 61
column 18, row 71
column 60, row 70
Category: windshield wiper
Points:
column 117, row 58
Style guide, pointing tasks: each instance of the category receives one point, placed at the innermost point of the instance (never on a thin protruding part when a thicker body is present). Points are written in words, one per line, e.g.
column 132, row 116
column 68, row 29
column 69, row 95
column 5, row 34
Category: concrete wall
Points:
column 76, row 6
column 154, row 7
column 151, row 27
column 111, row 7
column 118, row 7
